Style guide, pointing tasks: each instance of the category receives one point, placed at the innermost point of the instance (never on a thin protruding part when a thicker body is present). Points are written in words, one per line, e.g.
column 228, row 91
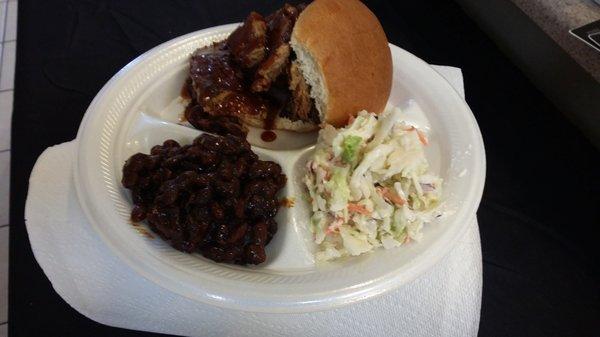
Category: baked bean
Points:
column 214, row 197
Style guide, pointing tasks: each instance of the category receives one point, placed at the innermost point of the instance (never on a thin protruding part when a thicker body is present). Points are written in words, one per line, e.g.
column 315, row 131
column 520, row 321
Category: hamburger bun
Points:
column 344, row 57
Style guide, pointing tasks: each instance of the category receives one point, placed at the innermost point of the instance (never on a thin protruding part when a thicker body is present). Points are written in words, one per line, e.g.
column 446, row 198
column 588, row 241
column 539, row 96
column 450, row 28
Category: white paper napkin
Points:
column 445, row 301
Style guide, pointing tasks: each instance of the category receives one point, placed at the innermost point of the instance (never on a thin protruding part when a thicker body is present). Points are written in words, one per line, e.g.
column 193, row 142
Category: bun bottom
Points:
column 280, row 123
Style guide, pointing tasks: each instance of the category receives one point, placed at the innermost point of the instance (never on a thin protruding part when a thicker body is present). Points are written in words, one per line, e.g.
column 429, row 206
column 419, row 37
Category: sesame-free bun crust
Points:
column 346, row 43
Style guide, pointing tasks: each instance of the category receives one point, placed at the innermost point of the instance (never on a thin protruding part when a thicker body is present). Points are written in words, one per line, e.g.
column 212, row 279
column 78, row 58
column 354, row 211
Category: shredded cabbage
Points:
column 369, row 186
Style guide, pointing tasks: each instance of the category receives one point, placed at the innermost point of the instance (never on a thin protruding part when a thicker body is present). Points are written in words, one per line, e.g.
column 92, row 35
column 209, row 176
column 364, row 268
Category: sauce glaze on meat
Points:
column 252, row 72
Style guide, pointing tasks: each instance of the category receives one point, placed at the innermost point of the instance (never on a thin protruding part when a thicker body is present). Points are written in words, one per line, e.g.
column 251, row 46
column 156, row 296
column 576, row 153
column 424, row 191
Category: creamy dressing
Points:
column 412, row 114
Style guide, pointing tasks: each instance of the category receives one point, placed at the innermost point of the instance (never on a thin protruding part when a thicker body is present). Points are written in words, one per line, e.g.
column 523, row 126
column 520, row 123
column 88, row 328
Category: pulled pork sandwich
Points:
column 294, row 69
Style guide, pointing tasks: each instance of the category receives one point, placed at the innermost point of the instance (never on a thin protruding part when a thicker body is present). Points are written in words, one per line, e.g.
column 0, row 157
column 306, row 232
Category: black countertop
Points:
column 540, row 206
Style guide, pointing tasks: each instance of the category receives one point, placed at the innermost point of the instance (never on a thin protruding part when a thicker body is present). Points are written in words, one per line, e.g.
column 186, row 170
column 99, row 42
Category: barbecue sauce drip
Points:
column 186, row 89
column 268, row 136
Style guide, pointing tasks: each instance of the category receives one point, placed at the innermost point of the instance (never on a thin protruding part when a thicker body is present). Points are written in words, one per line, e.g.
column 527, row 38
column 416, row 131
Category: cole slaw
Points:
column 369, row 185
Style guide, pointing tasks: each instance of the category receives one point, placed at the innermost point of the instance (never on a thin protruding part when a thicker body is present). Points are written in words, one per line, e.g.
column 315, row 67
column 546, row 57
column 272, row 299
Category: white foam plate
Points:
column 138, row 108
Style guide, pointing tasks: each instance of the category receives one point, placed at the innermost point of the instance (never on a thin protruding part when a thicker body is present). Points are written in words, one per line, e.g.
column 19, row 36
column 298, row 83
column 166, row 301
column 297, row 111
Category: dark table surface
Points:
column 540, row 206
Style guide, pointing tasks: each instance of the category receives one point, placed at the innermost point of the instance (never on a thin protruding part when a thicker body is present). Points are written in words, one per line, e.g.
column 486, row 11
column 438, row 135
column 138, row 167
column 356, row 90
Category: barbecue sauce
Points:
column 268, row 136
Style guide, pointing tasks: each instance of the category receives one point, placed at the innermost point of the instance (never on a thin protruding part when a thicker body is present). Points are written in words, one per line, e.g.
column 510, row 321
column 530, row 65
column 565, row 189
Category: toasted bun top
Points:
column 346, row 43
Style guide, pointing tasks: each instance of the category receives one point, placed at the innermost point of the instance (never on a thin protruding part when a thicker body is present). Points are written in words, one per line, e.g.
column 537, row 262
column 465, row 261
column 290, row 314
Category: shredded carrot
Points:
column 358, row 208
column 335, row 225
column 330, row 230
column 351, row 119
column 391, row 195
column 422, row 137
